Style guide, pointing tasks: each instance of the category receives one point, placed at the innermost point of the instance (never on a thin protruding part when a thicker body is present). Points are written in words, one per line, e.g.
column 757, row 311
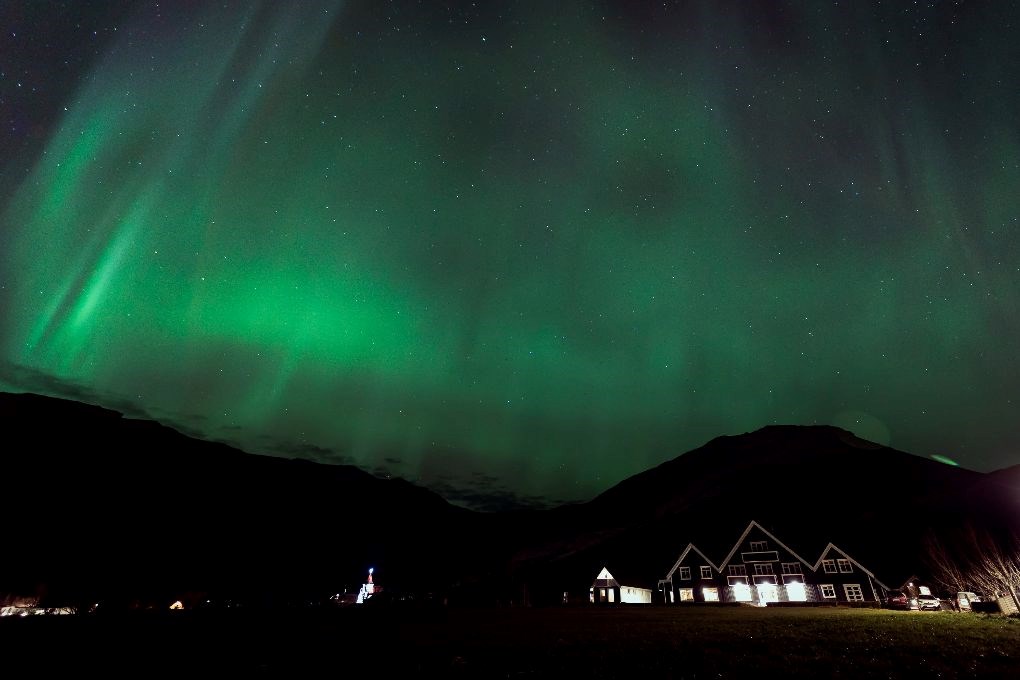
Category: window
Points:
column 759, row 546
column 844, row 567
column 791, row 568
column 711, row 594
column 738, row 570
column 687, row 594
column 685, row 573
column 795, row 592
column 829, row 566
column 763, row 568
column 706, row 572
column 828, row 591
column 741, row 592
column 853, row 592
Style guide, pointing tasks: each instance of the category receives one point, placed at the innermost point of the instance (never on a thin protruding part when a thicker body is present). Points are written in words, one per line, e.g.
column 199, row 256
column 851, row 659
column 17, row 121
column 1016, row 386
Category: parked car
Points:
column 928, row 603
column 900, row 599
column 964, row 600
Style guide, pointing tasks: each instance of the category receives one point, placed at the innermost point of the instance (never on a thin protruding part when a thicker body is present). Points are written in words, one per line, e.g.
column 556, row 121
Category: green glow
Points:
column 543, row 247
column 943, row 459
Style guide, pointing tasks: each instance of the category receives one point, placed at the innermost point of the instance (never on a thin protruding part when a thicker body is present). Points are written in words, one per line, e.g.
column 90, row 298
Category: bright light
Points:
column 711, row 594
column 742, row 592
column 766, row 593
column 371, row 569
column 795, row 592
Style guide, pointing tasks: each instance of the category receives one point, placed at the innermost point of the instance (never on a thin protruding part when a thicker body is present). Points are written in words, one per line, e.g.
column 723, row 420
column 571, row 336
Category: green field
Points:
column 696, row 642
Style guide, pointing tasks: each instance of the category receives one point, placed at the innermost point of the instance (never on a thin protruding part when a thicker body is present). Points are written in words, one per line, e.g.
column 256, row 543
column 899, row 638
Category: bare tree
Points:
column 975, row 560
column 995, row 567
column 945, row 568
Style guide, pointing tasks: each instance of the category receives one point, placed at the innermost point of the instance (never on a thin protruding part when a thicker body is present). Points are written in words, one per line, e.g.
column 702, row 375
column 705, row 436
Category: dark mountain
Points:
column 1007, row 476
column 101, row 504
column 808, row 485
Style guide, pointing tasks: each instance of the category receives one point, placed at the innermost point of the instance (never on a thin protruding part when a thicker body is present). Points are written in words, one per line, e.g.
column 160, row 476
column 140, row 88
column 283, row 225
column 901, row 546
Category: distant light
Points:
column 371, row 569
column 947, row 461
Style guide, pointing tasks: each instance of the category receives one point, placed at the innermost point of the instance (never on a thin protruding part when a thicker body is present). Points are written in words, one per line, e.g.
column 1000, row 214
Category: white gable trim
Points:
column 768, row 533
column 683, row 555
column 604, row 575
column 833, row 546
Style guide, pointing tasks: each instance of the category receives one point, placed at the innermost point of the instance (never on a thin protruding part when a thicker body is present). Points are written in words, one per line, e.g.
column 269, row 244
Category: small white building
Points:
column 607, row 590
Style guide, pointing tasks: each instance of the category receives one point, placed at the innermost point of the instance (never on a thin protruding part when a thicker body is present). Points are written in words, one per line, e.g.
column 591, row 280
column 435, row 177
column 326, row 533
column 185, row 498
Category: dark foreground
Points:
column 582, row 642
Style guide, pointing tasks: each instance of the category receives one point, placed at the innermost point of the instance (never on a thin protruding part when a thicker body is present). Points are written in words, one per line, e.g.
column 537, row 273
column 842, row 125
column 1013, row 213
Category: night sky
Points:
column 517, row 251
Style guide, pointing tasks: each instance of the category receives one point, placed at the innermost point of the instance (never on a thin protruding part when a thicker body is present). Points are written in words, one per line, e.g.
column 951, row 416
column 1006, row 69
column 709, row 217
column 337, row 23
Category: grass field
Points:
column 697, row 642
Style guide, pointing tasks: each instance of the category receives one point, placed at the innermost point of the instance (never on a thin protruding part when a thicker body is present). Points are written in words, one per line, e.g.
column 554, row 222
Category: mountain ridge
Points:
column 161, row 507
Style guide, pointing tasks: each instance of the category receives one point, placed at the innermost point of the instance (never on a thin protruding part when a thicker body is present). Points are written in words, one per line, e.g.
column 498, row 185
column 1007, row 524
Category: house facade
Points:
column 760, row 569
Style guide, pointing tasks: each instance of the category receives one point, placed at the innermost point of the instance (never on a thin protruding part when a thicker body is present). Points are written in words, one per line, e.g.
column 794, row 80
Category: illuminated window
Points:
column 853, row 592
column 791, row 568
column 844, row 566
column 742, row 592
column 763, row 568
column 795, row 592
column 687, row 594
column 685, row 573
column 711, row 594
column 706, row 572
column 738, row 570
column 829, row 566
column 828, row 591
column 759, row 546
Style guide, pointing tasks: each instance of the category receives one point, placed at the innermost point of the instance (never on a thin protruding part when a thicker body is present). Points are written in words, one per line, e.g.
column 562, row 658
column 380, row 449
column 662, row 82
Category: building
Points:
column 760, row 569
column 607, row 590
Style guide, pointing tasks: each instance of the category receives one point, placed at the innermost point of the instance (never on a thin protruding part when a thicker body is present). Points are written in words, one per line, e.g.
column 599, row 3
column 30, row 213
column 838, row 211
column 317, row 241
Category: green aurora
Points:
column 523, row 251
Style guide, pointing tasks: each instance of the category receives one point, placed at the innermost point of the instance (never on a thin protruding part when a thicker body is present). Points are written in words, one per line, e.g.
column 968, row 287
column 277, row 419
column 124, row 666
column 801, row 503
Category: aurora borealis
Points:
column 518, row 249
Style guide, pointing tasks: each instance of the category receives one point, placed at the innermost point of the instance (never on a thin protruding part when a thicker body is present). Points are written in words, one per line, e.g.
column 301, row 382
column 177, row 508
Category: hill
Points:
column 102, row 504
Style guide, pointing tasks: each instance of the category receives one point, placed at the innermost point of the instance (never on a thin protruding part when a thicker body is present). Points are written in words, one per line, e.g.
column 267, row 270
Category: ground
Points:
column 695, row 642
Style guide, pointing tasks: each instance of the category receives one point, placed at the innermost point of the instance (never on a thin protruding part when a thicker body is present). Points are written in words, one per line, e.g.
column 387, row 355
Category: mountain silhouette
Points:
column 100, row 506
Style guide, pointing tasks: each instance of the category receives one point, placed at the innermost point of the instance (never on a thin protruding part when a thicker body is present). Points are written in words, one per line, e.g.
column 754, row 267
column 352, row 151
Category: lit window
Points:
column 829, row 566
column 706, row 572
column 844, row 566
column 795, row 592
column 687, row 594
column 763, row 568
column 685, row 573
column 853, row 592
column 828, row 591
column 759, row 546
column 738, row 570
column 791, row 568
column 742, row 592
column 711, row 594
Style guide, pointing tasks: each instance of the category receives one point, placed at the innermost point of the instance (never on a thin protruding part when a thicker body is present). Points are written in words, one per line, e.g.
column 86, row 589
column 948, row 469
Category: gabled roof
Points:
column 605, row 576
column 860, row 566
column 683, row 555
column 752, row 525
column 623, row 577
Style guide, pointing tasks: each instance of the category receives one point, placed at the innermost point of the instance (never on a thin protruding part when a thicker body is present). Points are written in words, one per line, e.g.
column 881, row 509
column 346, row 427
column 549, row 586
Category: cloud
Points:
column 22, row 378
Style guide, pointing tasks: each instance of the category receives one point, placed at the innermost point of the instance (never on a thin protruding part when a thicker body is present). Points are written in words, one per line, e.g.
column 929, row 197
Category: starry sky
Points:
column 517, row 251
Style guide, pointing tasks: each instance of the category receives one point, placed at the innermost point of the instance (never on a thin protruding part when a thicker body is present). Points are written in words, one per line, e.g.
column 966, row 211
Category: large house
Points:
column 761, row 569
